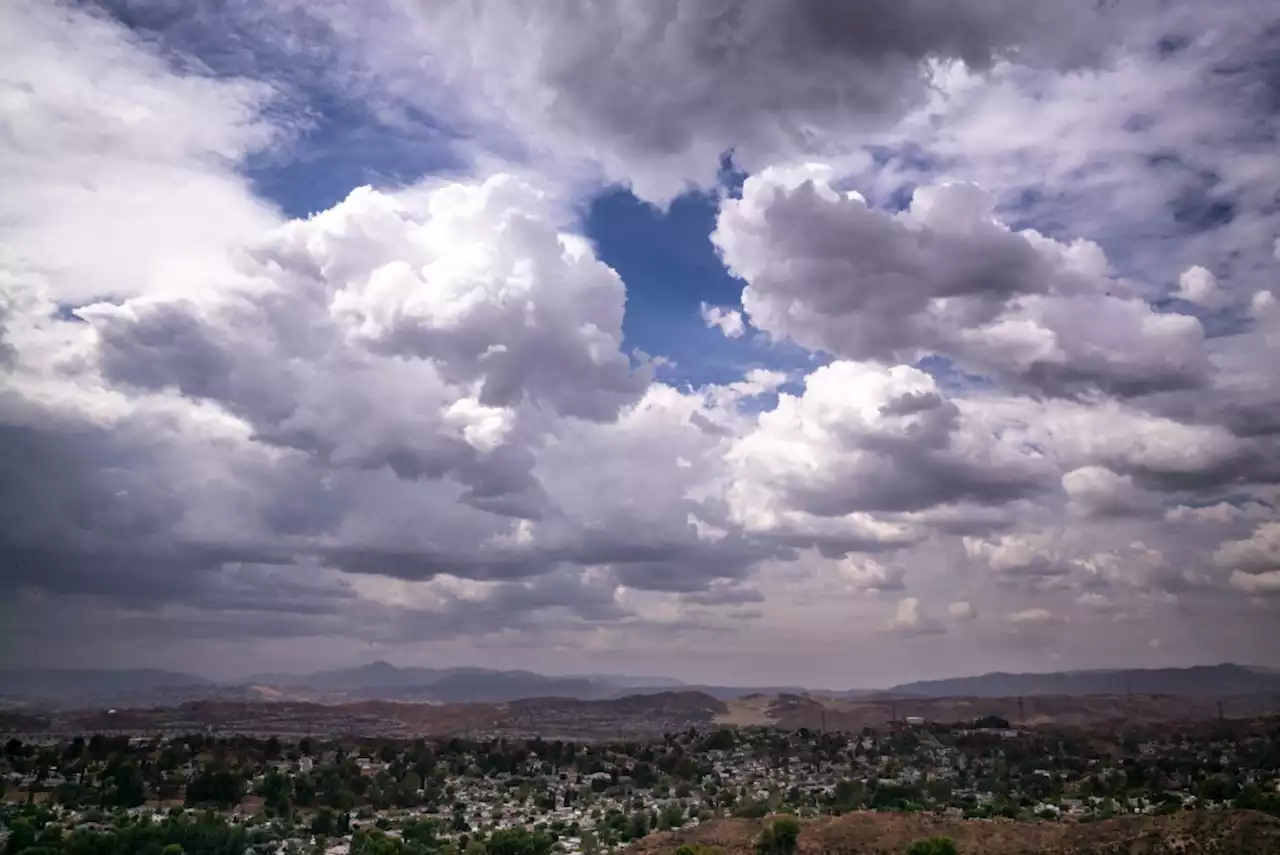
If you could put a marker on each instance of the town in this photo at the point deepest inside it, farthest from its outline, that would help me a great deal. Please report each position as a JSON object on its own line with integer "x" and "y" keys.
{"x": 531, "y": 796}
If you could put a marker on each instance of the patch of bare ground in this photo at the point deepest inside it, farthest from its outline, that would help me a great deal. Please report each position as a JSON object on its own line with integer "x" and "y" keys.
{"x": 750, "y": 711}
{"x": 872, "y": 833}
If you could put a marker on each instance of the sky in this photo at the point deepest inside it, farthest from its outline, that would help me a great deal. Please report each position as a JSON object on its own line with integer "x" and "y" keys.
{"x": 775, "y": 342}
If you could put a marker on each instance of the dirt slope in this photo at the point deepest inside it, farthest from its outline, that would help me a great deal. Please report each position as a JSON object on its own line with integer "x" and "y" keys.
{"x": 869, "y": 833}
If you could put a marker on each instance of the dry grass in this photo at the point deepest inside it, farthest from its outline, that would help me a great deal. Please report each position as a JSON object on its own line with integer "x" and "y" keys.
{"x": 751, "y": 711}
{"x": 870, "y": 833}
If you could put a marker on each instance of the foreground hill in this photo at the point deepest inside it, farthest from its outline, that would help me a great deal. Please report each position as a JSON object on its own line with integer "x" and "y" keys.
{"x": 870, "y": 833}
{"x": 1199, "y": 681}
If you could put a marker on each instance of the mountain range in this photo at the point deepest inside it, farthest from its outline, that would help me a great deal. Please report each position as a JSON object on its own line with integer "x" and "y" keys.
{"x": 384, "y": 681}
{"x": 1197, "y": 681}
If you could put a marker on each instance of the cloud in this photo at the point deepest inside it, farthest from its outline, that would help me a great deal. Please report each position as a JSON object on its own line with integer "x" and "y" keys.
{"x": 1032, "y": 618}
{"x": 1016, "y": 556}
{"x": 1197, "y": 285}
{"x": 764, "y": 79}
{"x": 867, "y": 574}
{"x": 1096, "y": 601}
{"x": 120, "y": 174}
{"x": 728, "y": 321}
{"x": 909, "y": 619}
{"x": 1161, "y": 153}
{"x": 864, "y": 438}
{"x": 1258, "y": 554}
{"x": 417, "y": 418}
{"x": 427, "y": 381}
{"x": 1221, "y": 513}
{"x": 1264, "y": 583}
{"x": 829, "y": 272}
{"x": 1095, "y": 491}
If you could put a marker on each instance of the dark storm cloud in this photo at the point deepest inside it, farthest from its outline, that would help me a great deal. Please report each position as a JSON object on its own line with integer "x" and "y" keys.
{"x": 659, "y": 91}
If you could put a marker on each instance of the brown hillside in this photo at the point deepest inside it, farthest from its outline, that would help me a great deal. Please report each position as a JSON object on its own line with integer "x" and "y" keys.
{"x": 870, "y": 833}
{"x": 796, "y": 711}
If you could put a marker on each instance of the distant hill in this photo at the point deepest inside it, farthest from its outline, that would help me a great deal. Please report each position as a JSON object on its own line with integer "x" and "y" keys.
{"x": 85, "y": 685}
{"x": 501, "y": 686}
{"x": 1198, "y": 681}
{"x": 375, "y": 675}
{"x": 482, "y": 685}
{"x": 383, "y": 681}
{"x": 728, "y": 693}
{"x": 630, "y": 682}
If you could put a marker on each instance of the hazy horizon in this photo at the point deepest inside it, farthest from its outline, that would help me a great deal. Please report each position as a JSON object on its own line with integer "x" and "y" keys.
{"x": 245, "y": 677}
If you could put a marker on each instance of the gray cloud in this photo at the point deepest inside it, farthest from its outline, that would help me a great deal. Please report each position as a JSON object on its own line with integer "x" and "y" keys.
{"x": 829, "y": 272}
{"x": 658, "y": 93}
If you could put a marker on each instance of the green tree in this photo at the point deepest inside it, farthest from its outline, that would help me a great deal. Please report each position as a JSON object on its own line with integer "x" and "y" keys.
{"x": 123, "y": 785}
{"x": 933, "y": 846}
{"x": 324, "y": 822}
{"x": 519, "y": 841}
{"x": 780, "y": 837}
{"x": 672, "y": 816}
{"x": 21, "y": 834}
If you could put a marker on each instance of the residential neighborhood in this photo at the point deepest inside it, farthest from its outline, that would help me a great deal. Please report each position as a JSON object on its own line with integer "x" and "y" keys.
{"x": 351, "y": 796}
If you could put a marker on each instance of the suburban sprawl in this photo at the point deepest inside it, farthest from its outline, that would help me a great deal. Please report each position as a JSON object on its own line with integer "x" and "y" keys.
{"x": 485, "y": 795}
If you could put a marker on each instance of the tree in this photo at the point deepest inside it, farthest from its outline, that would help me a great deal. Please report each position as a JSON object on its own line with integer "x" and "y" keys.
{"x": 672, "y": 817}
{"x": 324, "y": 822}
{"x": 216, "y": 785}
{"x": 847, "y": 795}
{"x": 519, "y": 841}
{"x": 779, "y": 838}
{"x": 21, "y": 834}
{"x": 123, "y": 785}
{"x": 933, "y": 846}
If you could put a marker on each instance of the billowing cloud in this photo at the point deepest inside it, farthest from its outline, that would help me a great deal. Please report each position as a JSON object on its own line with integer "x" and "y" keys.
{"x": 862, "y": 438}
{"x": 1095, "y": 491}
{"x": 830, "y": 272}
{"x": 656, "y": 94}
{"x": 1259, "y": 553}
